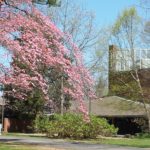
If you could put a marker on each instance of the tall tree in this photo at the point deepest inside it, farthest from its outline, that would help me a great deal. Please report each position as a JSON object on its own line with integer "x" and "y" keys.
{"x": 76, "y": 21}
{"x": 144, "y": 6}
{"x": 39, "y": 45}
{"x": 127, "y": 69}
{"x": 126, "y": 33}
{"x": 146, "y": 34}
{"x": 48, "y": 2}
{"x": 99, "y": 63}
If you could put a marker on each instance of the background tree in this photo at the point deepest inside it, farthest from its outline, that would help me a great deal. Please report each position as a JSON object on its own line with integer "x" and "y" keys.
{"x": 98, "y": 65}
{"x": 144, "y": 6}
{"x": 127, "y": 78}
{"x": 48, "y": 2}
{"x": 78, "y": 23}
{"x": 146, "y": 34}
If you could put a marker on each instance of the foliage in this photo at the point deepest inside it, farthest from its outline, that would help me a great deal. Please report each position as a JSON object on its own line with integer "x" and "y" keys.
{"x": 146, "y": 33}
{"x": 41, "y": 123}
{"x": 143, "y": 135}
{"x": 85, "y": 37}
{"x": 133, "y": 83}
{"x": 127, "y": 18}
{"x": 125, "y": 80}
{"x": 20, "y": 108}
{"x": 121, "y": 84}
{"x": 73, "y": 126}
{"x": 77, "y": 21}
{"x": 34, "y": 41}
{"x": 47, "y": 2}
{"x": 126, "y": 36}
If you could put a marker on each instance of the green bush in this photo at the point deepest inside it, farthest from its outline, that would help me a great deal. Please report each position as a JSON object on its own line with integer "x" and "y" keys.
{"x": 73, "y": 126}
{"x": 143, "y": 135}
{"x": 41, "y": 124}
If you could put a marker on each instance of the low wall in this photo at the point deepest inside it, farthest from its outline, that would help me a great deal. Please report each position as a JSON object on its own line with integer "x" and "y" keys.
{"x": 15, "y": 125}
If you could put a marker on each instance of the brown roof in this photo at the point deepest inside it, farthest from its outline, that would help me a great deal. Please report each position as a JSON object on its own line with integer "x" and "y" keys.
{"x": 114, "y": 106}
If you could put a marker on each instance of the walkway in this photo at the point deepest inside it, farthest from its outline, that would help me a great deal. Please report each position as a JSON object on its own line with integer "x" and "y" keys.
{"x": 57, "y": 143}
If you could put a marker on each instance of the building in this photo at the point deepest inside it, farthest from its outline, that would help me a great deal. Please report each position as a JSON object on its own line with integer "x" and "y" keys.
{"x": 124, "y": 106}
{"x": 125, "y": 59}
{"x": 122, "y": 73}
{"x": 123, "y": 113}
{"x": 125, "y": 68}
{"x": 2, "y": 104}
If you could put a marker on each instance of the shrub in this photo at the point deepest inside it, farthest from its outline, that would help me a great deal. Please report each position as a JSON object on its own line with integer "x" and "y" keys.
{"x": 41, "y": 124}
{"x": 73, "y": 126}
{"x": 143, "y": 135}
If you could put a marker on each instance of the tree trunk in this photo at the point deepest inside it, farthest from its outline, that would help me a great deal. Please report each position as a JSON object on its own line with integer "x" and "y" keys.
{"x": 148, "y": 124}
{"x": 62, "y": 96}
{"x": 89, "y": 106}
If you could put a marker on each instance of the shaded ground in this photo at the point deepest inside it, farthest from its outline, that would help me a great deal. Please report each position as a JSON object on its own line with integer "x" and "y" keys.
{"x": 62, "y": 144}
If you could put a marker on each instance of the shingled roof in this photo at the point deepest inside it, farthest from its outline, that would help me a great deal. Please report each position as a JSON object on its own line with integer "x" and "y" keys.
{"x": 114, "y": 106}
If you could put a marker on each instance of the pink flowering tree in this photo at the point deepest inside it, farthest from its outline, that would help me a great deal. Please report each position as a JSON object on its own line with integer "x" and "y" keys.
{"x": 37, "y": 45}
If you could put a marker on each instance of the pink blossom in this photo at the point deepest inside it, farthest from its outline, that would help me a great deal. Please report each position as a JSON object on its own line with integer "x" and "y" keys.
{"x": 40, "y": 43}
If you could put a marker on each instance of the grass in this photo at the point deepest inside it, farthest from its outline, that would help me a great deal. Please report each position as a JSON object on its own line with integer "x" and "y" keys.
{"x": 130, "y": 142}
{"x": 9, "y": 146}
{"x": 134, "y": 142}
{"x": 141, "y": 142}
{"x": 25, "y": 135}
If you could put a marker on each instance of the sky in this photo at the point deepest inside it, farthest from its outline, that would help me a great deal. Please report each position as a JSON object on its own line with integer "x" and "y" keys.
{"x": 106, "y": 11}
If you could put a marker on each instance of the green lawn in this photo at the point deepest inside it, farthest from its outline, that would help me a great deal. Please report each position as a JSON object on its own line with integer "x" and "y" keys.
{"x": 131, "y": 142}
{"x": 135, "y": 142}
{"x": 25, "y": 134}
{"x": 9, "y": 146}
